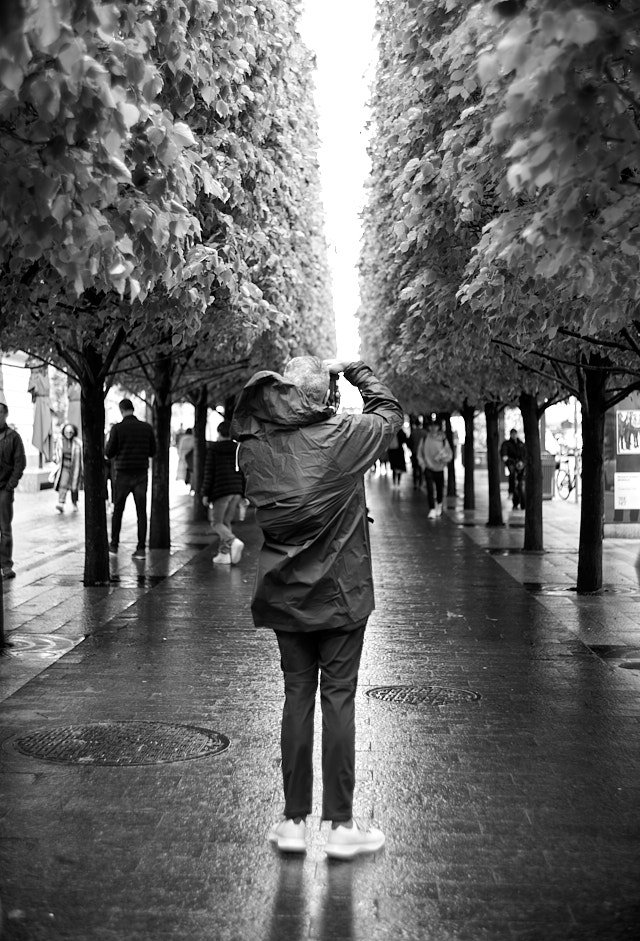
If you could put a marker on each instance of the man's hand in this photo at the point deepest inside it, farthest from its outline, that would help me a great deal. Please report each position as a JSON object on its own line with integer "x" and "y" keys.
{"x": 205, "y": 501}
{"x": 337, "y": 365}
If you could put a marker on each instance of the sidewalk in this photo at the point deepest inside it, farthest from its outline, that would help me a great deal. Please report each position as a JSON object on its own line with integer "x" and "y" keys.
{"x": 502, "y": 761}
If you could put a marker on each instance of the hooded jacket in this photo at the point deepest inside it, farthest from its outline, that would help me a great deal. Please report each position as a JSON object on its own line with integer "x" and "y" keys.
{"x": 304, "y": 473}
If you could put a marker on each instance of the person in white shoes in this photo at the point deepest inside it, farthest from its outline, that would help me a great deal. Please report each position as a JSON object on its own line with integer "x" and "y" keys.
{"x": 434, "y": 453}
{"x": 222, "y": 490}
{"x": 304, "y": 468}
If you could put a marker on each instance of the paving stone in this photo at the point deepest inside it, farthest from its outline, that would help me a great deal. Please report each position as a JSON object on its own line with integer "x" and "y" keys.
{"x": 513, "y": 817}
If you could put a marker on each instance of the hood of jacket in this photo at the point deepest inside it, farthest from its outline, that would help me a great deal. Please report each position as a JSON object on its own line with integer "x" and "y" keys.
{"x": 268, "y": 399}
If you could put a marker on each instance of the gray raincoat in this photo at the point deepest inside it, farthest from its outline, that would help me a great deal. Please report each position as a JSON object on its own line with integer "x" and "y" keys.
{"x": 304, "y": 469}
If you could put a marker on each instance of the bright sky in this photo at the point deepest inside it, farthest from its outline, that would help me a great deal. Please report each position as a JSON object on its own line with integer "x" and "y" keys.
{"x": 340, "y": 32}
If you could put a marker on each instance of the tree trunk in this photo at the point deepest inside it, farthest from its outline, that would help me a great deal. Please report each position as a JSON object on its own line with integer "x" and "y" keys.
{"x": 96, "y": 547}
{"x": 468, "y": 413}
{"x": 160, "y": 528}
{"x": 592, "y": 508}
{"x": 492, "y": 415}
{"x": 533, "y": 474}
{"x": 201, "y": 407}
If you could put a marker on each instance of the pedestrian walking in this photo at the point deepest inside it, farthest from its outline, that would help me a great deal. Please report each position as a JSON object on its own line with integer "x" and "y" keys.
{"x": 69, "y": 471}
{"x": 304, "y": 469}
{"x": 513, "y": 454}
{"x": 397, "y": 460}
{"x": 12, "y": 465}
{"x": 222, "y": 490}
{"x": 130, "y": 445}
{"x": 416, "y": 434}
{"x": 434, "y": 454}
{"x": 185, "y": 448}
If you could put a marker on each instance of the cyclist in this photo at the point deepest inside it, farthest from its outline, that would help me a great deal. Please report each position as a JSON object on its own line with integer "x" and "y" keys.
{"x": 513, "y": 454}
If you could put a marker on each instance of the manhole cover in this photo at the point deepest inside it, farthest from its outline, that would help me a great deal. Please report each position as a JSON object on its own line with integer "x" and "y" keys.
{"x": 38, "y": 646}
{"x": 122, "y": 743}
{"x": 422, "y": 695}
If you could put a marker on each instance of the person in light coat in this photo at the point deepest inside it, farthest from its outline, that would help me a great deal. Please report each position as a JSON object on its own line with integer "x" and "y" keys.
{"x": 69, "y": 472}
{"x": 434, "y": 453}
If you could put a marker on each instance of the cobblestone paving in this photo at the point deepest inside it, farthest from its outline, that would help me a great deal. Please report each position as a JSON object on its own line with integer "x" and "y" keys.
{"x": 513, "y": 816}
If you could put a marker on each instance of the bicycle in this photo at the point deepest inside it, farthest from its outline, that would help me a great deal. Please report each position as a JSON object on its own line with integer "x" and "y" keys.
{"x": 565, "y": 481}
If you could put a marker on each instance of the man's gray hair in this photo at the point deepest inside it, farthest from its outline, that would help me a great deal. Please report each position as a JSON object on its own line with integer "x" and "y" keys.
{"x": 310, "y": 374}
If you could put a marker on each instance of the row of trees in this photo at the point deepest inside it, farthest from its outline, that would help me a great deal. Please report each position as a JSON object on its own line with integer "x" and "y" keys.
{"x": 501, "y": 245}
{"x": 160, "y": 216}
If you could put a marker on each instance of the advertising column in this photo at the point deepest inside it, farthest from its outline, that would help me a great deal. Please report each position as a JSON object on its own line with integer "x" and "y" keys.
{"x": 622, "y": 468}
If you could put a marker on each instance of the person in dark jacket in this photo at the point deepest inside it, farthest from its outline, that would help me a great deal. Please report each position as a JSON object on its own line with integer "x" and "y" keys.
{"x": 12, "y": 465}
{"x": 304, "y": 471}
{"x": 130, "y": 445}
{"x": 513, "y": 454}
{"x": 222, "y": 490}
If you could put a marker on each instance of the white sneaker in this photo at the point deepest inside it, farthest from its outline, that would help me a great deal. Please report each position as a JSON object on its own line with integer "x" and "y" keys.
{"x": 289, "y": 836}
{"x": 345, "y": 842}
{"x": 59, "y": 507}
{"x": 222, "y": 558}
{"x": 236, "y": 550}
{"x": 431, "y": 515}
{"x": 438, "y": 509}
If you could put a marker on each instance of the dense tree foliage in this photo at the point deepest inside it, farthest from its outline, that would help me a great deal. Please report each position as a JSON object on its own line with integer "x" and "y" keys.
{"x": 158, "y": 194}
{"x": 503, "y": 199}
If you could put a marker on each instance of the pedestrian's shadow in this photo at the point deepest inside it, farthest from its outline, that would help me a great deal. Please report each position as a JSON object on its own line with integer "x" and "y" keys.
{"x": 289, "y": 915}
{"x": 336, "y": 913}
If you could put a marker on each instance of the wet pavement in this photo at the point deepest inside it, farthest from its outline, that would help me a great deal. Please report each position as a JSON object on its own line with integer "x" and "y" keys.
{"x": 509, "y": 791}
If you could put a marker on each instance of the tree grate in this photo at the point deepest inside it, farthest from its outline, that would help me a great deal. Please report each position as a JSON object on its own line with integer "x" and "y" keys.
{"x": 540, "y": 588}
{"x": 122, "y": 743}
{"x": 422, "y": 695}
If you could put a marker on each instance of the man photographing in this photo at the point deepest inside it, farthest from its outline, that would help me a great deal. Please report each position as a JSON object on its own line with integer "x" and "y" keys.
{"x": 304, "y": 467}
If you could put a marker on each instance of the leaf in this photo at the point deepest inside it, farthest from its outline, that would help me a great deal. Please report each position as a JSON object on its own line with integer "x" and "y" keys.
{"x": 45, "y": 94}
{"x": 541, "y": 154}
{"x": 488, "y": 67}
{"x": 48, "y": 25}
{"x": 70, "y": 56}
{"x": 182, "y": 134}
{"x": 583, "y": 29}
{"x": 134, "y": 289}
{"x": 122, "y": 172}
{"x": 11, "y": 76}
{"x": 130, "y": 114}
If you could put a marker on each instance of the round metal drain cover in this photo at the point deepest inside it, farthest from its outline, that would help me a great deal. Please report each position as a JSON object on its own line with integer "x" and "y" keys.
{"x": 422, "y": 695}
{"x": 38, "y": 646}
{"x": 122, "y": 743}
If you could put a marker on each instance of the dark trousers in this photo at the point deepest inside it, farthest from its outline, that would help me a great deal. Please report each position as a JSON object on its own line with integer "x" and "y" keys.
{"x": 124, "y": 485}
{"x": 336, "y": 655}
{"x": 434, "y": 479}
{"x": 6, "y": 534}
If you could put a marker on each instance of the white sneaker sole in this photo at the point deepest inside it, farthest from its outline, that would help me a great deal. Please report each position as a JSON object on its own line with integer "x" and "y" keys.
{"x": 288, "y": 844}
{"x": 349, "y": 851}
